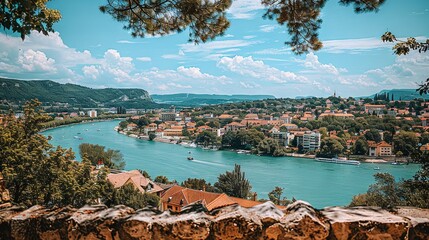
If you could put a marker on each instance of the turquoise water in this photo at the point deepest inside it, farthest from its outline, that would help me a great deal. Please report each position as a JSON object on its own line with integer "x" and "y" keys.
{"x": 321, "y": 184}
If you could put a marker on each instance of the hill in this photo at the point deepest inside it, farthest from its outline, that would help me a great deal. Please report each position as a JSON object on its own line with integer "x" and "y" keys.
{"x": 53, "y": 93}
{"x": 403, "y": 94}
{"x": 192, "y": 100}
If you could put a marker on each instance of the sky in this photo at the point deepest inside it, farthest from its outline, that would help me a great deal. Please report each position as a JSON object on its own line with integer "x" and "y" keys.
{"x": 92, "y": 49}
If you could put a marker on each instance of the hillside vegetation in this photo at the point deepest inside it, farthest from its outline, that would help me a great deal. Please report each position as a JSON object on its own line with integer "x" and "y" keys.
{"x": 50, "y": 92}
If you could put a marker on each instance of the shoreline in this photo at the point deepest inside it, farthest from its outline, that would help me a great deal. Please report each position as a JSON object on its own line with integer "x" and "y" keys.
{"x": 81, "y": 122}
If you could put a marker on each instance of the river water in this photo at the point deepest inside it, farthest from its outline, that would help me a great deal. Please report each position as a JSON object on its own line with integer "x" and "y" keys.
{"x": 321, "y": 184}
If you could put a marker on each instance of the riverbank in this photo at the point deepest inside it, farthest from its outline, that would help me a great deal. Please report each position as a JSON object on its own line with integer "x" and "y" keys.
{"x": 75, "y": 121}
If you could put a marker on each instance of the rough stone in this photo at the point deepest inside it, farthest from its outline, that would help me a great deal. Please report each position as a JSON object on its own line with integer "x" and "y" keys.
{"x": 298, "y": 221}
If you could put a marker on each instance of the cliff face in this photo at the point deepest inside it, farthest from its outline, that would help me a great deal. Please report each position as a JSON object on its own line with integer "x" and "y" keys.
{"x": 298, "y": 221}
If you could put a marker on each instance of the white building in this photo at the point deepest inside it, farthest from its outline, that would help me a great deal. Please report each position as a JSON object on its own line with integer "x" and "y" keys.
{"x": 311, "y": 141}
{"x": 92, "y": 113}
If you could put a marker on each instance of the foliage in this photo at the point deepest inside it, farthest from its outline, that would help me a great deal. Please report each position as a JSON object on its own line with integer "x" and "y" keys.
{"x": 111, "y": 158}
{"x": 50, "y": 92}
{"x": 205, "y": 19}
{"x": 242, "y": 139}
{"x": 198, "y": 184}
{"x": 360, "y": 147}
{"x": 234, "y": 183}
{"x": 271, "y": 147}
{"x": 152, "y": 136}
{"x": 163, "y": 179}
{"x": 36, "y": 173}
{"x": 330, "y": 147}
{"x": 275, "y": 196}
{"x": 131, "y": 197}
{"x": 24, "y": 16}
{"x": 373, "y": 135}
{"x": 206, "y": 138}
{"x": 405, "y": 142}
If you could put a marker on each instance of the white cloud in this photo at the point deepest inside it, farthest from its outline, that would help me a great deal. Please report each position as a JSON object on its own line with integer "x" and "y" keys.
{"x": 144, "y": 59}
{"x": 249, "y": 85}
{"x": 90, "y": 72}
{"x": 129, "y": 42}
{"x": 267, "y": 28}
{"x": 246, "y": 66}
{"x": 249, "y": 36}
{"x": 312, "y": 61}
{"x": 34, "y": 61}
{"x": 244, "y": 9}
{"x": 215, "y": 45}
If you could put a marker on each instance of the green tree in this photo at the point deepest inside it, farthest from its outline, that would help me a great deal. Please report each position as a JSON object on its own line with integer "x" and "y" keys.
{"x": 271, "y": 147}
{"x": 36, "y": 173}
{"x": 152, "y": 136}
{"x": 275, "y": 196}
{"x": 24, "y": 16}
{"x": 110, "y": 158}
{"x": 131, "y": 197}
{"x": 162, "y": 179}
{"x": 330, "y": 147}
{"x": 198, "y": 184}
{"x": 373, "y": 135}
{"x": 360, "y": 147}
{"x": 234, "y": 183}
{"x": 206, "y": 138}
{"x": 406, "y": 142}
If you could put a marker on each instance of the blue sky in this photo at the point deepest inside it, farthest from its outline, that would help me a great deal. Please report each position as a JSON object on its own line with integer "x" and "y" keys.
{"x": 92, "y": 49}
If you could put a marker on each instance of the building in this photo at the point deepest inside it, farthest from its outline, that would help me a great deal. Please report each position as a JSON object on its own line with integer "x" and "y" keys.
{"x": 135, "y": 178}
{"x": 286, "y": 118}
{"x": 234, "y": 126}
{"x": 177, "y": 197}
{"x": 92, "y": 113}
{"x": 338, "y": 115}
{"x": 281, "y": 137}
{"x": 381, "y": 149}
{"x": 309, "y": 140}
{"x": 374, "y": 109}
{"x": 167, "y": 116}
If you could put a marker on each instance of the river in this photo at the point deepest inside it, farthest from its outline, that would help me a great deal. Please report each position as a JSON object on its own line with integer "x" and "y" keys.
{"x": 321, "y": 184}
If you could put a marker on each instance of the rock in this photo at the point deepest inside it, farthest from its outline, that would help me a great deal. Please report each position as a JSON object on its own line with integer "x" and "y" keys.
{"x": 301, "y": 221}
{"x": 365, "y": 223}
{"x": 265, "y": 221}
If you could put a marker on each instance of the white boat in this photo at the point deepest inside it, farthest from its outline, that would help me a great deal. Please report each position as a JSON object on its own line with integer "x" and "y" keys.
{"x": 337, "y": 161}
{"x": 377, "y": 168}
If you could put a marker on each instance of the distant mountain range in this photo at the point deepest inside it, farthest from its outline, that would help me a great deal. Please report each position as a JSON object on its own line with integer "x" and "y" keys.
{"x": 50, "y": 93}
{"x": 192, "y": 100}
{"x": 403, "y": 94}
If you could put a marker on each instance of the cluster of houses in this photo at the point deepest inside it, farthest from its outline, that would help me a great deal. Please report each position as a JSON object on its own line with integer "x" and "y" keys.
{"x": 174, "y": 197}
{"x": 171, "y": 124}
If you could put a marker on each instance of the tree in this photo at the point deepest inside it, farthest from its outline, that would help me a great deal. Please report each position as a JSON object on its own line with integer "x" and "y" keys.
{"x": 198, "y": 184}
{"x": 152, "y": 136}
{"x": 271, "y": 147}
{"x": 37, "y": 173}
{"x": 330, "y": 147}
{"x": 95, "y": 153}
{"x": 360, "y": 147}
{"x": 373, "y": 135}
{"x": 406, "y": 142}
{"x": 275, "y": 196}
{"x": 162, "y": 179}
{"x": 131, "y": 197}
{"x": 24, "y": 16}
{"x": 206, "y": 138}
{"x": 234, "y": 183}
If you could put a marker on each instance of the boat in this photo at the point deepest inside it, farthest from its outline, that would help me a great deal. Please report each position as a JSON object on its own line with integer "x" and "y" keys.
{"x": 190, "y": 158}
{"x": 338, "y": 161}
{"x": 377, "y": 168}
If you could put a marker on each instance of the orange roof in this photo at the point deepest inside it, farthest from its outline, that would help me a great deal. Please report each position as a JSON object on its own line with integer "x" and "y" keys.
{"x": 383, "y": 144}
{"x": 425, "y": 147}
{"x": 177, "y": 195}
{"x": 223, "y": 116}
{"x": 236, "y": 124}
{"x": 251, "y": 116}
{"x": 135, "y": 178}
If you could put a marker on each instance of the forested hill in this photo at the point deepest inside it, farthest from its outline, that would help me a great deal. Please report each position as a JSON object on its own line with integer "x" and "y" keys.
{"x": 50, "y": 92}
{"x": 401, "y": 94}
{"x": 188, "y": 99}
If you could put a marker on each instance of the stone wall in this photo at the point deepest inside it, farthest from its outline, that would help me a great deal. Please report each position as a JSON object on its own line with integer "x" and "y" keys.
{"x": 298, "y": 221}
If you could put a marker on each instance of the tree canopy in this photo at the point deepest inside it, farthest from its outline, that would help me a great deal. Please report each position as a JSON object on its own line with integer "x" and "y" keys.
{"x": 234, "y": 183}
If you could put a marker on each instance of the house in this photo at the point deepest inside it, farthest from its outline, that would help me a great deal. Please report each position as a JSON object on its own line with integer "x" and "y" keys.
{"x": 380, "y": 149}
{"x": 177, "y": 197}
{"x": 425, "y": 148}
{"x": 336, "y": 114}
{"x": 92, "y": 113}
{"x": 135, "y": 178}
{"x": 234, "y": 126}
{"x": 150, "y": 128}
{"x": 251, "y": 116}
{"x": 374, "y": 109}
{"x": 131, "y": 126}
{"x": 311, "y": 141}
{"x": 281, "y": 137}
{"x": 286, "y": 118}
{"x": 167, "y": 116}
{"x": 173, "y": 131}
